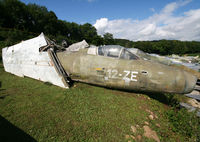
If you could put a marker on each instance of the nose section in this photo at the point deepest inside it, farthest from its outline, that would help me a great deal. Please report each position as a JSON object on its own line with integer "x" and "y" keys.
{"x": 190, "y": 82}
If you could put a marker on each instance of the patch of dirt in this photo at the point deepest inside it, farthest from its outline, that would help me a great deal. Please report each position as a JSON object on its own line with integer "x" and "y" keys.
{"x": 149, "y": 112}
{"x": 158, "y": 125}
{"x": 152, "y": 116}
{"x": 129, "y": 136}
{"x": 132, "y": 137}
{"x": 139, "y": 137}
{"x": 144, "y": 98}
{"x": 149, "y": 133}
{"x": 137, "y": 126}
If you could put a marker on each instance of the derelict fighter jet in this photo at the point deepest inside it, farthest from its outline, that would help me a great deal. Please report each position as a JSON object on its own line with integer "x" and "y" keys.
{"x": 115, "y": 67}
{"x": 111, "y": 66}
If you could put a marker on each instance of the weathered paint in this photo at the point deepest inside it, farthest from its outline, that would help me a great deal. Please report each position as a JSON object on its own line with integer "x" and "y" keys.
{"x": 138, "y": 75}
{"x": 84, "y": 64}
{"x": 24, "y": 59}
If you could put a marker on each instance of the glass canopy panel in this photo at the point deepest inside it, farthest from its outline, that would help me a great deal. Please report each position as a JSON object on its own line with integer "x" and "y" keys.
{"x": 128, "y": 55}
{"x": 116, "y": 51}
{"x": 110, "y": 50}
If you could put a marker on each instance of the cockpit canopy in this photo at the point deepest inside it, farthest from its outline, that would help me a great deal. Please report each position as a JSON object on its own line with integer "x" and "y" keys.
{"x": 116, "y": 51}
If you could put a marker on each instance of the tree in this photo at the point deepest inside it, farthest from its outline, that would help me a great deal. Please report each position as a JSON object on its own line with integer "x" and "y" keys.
{"x": 108, "y": 38}
{"x": 19, "y": 21}
{"x": 88, "y": 32}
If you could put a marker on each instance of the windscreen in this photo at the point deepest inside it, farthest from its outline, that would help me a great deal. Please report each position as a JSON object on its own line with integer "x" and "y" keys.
{"x": 110, "y": 50}
{"x": 128, "y": 55}
{"x": 116, "y": 51}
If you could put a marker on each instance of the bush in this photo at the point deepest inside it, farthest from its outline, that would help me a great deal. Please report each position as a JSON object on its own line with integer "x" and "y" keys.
{"x": 184, "y": 123}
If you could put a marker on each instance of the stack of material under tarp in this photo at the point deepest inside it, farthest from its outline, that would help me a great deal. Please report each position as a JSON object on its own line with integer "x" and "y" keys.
{"x": 78, "y": 46}
{"x": 24, "y": 59}
{"x": 193, "y": 101}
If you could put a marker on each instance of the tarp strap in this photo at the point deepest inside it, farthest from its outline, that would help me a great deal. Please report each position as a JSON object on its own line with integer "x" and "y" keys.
{"x": 65, "y": 77}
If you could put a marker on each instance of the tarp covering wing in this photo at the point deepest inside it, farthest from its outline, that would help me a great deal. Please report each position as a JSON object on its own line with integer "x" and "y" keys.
{"x": 24, "y": 59}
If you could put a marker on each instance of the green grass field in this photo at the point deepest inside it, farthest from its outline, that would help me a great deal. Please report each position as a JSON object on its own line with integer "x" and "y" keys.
{"x": 31, "y": 110}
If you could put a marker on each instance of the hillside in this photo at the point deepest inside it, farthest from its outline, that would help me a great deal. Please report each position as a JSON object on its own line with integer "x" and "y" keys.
{"x": 36, "y": 111}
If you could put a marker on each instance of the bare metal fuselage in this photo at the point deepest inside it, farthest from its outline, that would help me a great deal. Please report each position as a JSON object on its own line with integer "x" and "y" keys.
{"x": 137, "y": 75}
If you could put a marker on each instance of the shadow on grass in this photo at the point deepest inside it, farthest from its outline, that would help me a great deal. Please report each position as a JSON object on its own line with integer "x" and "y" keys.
{"x": 3, "y": 97}
{"x": 165, "y": 98}
{"x": 48, "y": 83}
{"x": 10, "y": 133}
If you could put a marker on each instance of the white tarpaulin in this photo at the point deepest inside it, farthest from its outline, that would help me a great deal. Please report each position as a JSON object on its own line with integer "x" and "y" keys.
{"x": 24, "y": 59}
{"x": 77, "y": 46}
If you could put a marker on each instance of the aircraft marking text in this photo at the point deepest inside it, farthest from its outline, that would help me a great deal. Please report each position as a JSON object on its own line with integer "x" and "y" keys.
{"x": 126, "y": 75}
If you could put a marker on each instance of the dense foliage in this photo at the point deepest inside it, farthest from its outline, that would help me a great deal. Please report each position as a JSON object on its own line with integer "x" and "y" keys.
{"x": 19, "y": 21}
{"x": 184, "y": 122}
{"x": 36, "y": 19}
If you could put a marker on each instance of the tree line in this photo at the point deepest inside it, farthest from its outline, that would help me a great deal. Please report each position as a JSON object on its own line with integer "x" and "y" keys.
{"x": 19, "y": 21}
{"x": 163, "y": 47}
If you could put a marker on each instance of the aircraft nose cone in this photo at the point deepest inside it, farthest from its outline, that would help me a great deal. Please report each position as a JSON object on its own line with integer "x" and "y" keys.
{"x": 190, "y": 82}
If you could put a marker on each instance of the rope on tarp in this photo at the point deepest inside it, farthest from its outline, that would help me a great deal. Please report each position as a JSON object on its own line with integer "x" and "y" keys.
{"x": 60, "y": 70}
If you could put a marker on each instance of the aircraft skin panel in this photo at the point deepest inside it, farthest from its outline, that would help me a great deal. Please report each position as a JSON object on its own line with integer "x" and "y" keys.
{"x": 24, "y": 59}
{"x": 138, "y": 75}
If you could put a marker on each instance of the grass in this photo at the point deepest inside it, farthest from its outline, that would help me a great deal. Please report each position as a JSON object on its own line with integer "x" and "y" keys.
{"x": 40, "y": 111}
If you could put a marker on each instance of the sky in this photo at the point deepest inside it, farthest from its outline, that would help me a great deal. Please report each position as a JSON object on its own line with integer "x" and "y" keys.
{"x": 135, "y": 20}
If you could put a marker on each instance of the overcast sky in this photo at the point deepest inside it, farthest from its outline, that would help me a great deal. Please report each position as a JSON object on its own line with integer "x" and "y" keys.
{"x": 132, "y": 19}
